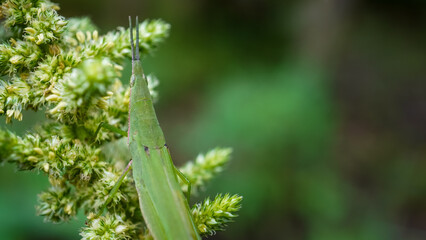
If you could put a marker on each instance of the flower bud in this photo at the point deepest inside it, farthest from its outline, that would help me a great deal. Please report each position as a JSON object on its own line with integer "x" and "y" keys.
{"x": 32, "y": 159}
{"x": 30, "y": 30}
{"x": 61, "y": 23}
{"x": 16, "y": 59}
{"x": 40, "y": 39}
{"x": 109, "y": 45}
{"x": 95, "y": 35}
{"x": 52, "y": 97}
{"x": 89, "y": 36}
{"x": 46, "y": 167}
{"x": 38, "y": 150}
{"x": 80, "y": 37}
{"x": 120, "y": 228}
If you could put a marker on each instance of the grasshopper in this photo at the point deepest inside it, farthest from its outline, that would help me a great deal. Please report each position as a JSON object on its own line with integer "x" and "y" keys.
{"x": 163, "y": 205}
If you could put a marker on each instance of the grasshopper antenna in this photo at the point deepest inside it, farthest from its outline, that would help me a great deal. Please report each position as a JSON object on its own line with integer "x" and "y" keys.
{"x": 131, "y": 38}
{"x": 133, "y": 45}
{"x": 137, "y": 38}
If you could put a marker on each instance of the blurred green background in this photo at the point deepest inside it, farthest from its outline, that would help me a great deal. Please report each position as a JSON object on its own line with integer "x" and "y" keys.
{"x": 323, "y": 102}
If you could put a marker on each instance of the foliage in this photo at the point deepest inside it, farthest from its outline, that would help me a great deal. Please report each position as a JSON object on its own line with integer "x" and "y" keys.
{"x": 65, "y": 68}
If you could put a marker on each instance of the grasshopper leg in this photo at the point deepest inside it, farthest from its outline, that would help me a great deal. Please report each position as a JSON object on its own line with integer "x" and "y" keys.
{"x": 115, "y": 188}
{"x": 123, "y": 175}
{"x": 185, "y": 180}
{"x": 111, "y": 128}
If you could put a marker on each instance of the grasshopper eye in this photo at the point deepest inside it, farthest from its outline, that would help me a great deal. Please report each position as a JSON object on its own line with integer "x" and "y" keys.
{"x": 132, "y": 81}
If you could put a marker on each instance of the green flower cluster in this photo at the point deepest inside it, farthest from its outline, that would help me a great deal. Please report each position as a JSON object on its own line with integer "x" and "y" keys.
{"x": 39, "y": 63}
{"x": 36, "y": 24}
{"x": 108, "y": 227}
{"x": 205, "y": 167}
{"x": 212, "y": 216}
{"x": 66, "y": 69}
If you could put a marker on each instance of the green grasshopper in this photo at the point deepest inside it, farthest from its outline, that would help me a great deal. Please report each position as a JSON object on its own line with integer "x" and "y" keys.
{"x": 163, "y": 205}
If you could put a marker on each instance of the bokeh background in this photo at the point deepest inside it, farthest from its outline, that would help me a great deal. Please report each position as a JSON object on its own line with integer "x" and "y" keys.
{"x": 323, "y": 101}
